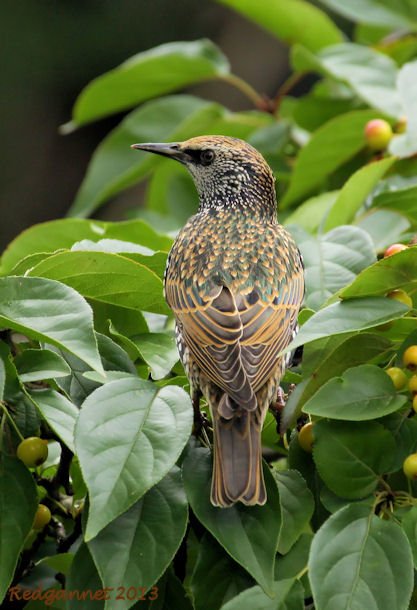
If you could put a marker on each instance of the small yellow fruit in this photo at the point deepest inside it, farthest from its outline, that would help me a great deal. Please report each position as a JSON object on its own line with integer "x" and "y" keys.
{"x": 32, "y": 451}
{"x": 378, "y": 134}
{"x": 398, "y": 377}
{"x": 394, "y": 249}
{"x": 402, "y": 296}
{"x": 306, "y": 437}
{"x": 410, "y": 357}
{"x": 412, "y": 384}
{"x": 401, "y": 125}
{"x": 410, "y": 466}
{"x": 415, "y": 403}
{"x": 42, "y": 517}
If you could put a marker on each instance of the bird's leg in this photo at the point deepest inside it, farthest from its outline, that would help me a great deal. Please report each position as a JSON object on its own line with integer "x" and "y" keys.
{"x": 277, "y": 407}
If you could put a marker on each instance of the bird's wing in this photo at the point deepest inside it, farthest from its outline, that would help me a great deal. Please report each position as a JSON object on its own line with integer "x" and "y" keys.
{"x": 236, "y": 338}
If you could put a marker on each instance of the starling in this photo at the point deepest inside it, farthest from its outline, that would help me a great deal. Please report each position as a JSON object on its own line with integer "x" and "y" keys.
{"x": 234, "y": 280}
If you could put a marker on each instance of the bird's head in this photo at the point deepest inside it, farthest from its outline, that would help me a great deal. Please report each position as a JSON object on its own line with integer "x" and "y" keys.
{"x": 227, "y": 172}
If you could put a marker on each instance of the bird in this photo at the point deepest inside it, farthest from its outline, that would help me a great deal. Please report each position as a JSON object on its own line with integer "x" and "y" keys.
{"x": 234, "y": 280}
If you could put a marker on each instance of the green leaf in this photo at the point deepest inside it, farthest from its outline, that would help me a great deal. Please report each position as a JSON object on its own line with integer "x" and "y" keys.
{"x": 329, "y": 147}
{"x": 248, "y": 533}
{"x": 354, "y": 192}
{"x": 171, "y": 595}
{"x": 384, "y": 227}
{"x": 369, "y": 74}
{"x": 309, "y": 214}
{"x": 404, "y": 431}
{"x": 159, "y": 351}
{"x": 348, "y": 316}
{"x": 344, "y": 557}
{"x": 59, "y": 412}
{"x": 295, "y": 561}
{"x": 49, "y": 311}
{"x": 84, "y": 578}
{"x": 148, "y": 536}
{"x": 105, "y": 277}
{"x": 18, "y": 504}
{"x": 404, "y": 145}
{"x": 152, "y": 73}
{"x": 397, "y": 271}
{"x": 351, "y": 456}
{"x": 287, "y": 595}
{"x": 401, "y": 200}
{"x": 2, "y": 378}
{"x": 128, "y": 436}
{"x": 332, "y": 260}
{"x": 216, "y": 577}
{"x": 39, "y": 364}
{"x": 297, "y": 507}
{"x": 409, "y": 525}
{"x": 326, "y": 358}
{"x": 375, "y": 12}
{"x": 362, "y": 393}
{"x": 285, "y": 20}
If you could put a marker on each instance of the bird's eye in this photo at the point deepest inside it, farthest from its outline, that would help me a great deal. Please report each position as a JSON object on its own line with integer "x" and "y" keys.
{"x": 206, "y": 157}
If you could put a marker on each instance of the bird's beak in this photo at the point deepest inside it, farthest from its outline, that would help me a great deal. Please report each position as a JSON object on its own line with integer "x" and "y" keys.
{"x": 171, "y": 150}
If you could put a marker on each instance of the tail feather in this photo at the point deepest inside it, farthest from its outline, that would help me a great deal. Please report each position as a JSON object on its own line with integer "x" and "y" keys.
{"x": 237, "y": 472}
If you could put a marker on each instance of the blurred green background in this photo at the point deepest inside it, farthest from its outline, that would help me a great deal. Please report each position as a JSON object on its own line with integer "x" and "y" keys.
{"x": 50, "y": 49}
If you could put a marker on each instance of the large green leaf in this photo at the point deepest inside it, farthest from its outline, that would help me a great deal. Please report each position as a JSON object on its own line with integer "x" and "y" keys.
{"x": 39, "y": 364}
{"x": 129, "y": 434}
{"x": 159, "y": 351}
{"x": 49, "y": 311}
{"x": 216, "y": 577}
{"x": 348, "y": 551}
{"x": 310, "y": 214}
{"x": 106, "y": 277}
{"x": 409, "y": 525}
{"x": 351, "y": 456}
{"x": 146, "y": 75}
{"x": 287, "y": 595}
{"x": 371, "y": 75}
{"x": 355, "y": 191}
{"x": 348, "y": 316}
{"x": 60, "y": 413}
{"x": 287, "y": 20}
{"x": 326, "y": 358}
{"x": 147, "y": 537}
{"x": 248, "y": 533}
{"x": 375, "y": 12}
{"x": 332, "y": 260}
{"x": 396, "y": 271}
{"x": 362, "y": 393}
{"x": 83, "y": 577}
{"x": 384, "y": 227}
{"x": 329, "y": 147}
{"x": 18, "y": 504}
{"x": 297, "y": 507}
{"x": 401, "y": 200}
{"x": 404, "y": 145}
{"x": 62, "y": 234}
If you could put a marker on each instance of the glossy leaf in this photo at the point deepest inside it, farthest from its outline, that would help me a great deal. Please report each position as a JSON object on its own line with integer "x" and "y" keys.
{"x": 60, "y": 413}
{"x": 332, "y": 260}
{"x": 146, "y": 75}
{"x": 343, "y": 559}
{"x": 384, "y": 227}
{"x": 288, "y": 595}
{"x": 310, "y": 214}
{"x": 362, "y": 393}
{"x": 374, "y": 12}
{"x": 66, "y": 319}
{"x": 216, "y": 577}
{"x": 409, "y": 525}
{"x": 84, "y": 578}
{"x": 159, "y": 351}
{"x": 354, "y": 192}
{"x": 248, "y": 533}
{"x": 110, "y": 278}
{"x": 401, "y": 200}
{"x": 351, "y": 456}
{"x": 297, "y": 506}
{"x": 329, "y": 147}
{"x": 38, "y": 364}
{"x": 284, "y": 20}
{"x": 404, "y": 145}
{"x": 348, "y": 316}
{"x": 142, "y": 431}
{"x": 148, "y": 536}
{"x": 371, "y": 75}
{"x": 18, "y": 504}
{"x": 397, "y": 271}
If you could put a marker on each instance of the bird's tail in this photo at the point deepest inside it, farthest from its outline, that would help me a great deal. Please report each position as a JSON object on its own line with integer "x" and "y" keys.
{"x": 237, "y": 471}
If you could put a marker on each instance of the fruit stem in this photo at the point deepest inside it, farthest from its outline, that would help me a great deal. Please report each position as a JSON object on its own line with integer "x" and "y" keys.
{"x": 244, "y": 88}
{"x": 11, "y": 421}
